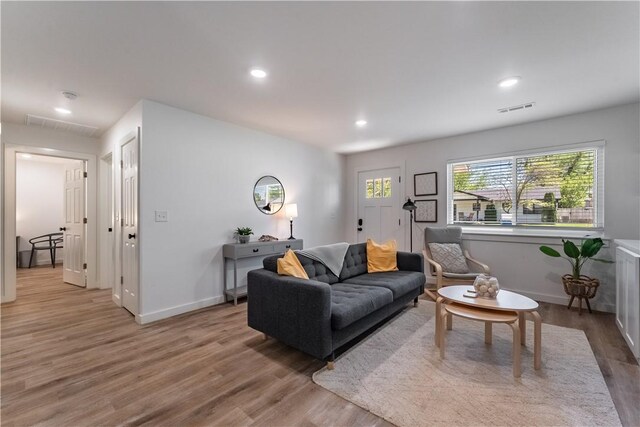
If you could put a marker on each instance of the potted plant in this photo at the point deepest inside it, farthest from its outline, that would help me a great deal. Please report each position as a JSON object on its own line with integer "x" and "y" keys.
{"x": 576, "y": 284}
{"x": 244, "y": 234}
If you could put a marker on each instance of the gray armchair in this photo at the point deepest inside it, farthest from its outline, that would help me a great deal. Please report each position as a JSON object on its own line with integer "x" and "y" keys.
{"x": 435, "y": 270}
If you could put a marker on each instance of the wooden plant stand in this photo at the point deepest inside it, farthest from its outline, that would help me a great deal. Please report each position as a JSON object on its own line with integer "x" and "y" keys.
{"x": 583, "y": 288}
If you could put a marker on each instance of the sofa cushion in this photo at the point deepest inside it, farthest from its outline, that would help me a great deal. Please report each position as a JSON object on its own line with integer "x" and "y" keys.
{"x": 355, "y": 261}
{"x": 398, "y": 282}
{"x": 315, "y": 270}
{"x": 382, "y": 257}
{"x": 289, "y": 265}
{"x": 350, "y": 302}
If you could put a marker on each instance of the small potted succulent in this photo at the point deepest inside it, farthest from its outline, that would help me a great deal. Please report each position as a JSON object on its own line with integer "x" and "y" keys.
{"x": 244, "y": 234}
{"x": 575, "y": 284}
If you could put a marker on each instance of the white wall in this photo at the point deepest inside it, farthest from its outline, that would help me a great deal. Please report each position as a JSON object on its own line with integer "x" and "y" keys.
{"x": 34, "y": 136}
{"x": 40, "y": 200}
{"x": 202, "y": 171}
{"x": 515, "y": 261}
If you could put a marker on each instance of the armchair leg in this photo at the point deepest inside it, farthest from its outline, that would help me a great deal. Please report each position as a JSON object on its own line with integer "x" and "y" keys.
{"x": 31, "y": 258}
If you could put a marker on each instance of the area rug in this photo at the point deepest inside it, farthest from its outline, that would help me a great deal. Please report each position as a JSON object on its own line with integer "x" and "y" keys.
{"x": 397, "y": 374}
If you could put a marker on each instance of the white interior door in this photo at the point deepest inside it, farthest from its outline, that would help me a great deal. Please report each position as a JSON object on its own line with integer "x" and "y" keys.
{"x": 379, "y": 212}
{"x": 129, "y": 218}
{"x": 73, "y": 268}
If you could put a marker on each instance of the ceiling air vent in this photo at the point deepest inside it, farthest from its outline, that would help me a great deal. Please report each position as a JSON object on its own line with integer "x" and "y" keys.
{"x": 516, "y": 107}
{"x": 56, "y": 124}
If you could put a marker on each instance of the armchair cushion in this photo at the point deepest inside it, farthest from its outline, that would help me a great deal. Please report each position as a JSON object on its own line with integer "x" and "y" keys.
{"x": 449, "y": 256}
{"x": 443, "y": 235}
{"x": 461, "y": 276}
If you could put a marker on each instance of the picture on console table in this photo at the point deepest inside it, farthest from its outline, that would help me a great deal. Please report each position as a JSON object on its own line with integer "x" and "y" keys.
{"x": 425, "y": 184}
{"x": 426, "y": 211}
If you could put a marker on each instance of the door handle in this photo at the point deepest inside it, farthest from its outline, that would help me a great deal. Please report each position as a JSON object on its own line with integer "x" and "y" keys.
{"x": 63, "y": 228}
{"x": 110, "y": 230}
{"x": 256, "y": 250}
{"x": 359, "y": 228}
{"x": 132, "y": 236}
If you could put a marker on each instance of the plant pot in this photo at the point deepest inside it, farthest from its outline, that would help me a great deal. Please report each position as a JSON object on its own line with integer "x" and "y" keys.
{"x": 244, "y": 239}
{"x": 583, "y": 288}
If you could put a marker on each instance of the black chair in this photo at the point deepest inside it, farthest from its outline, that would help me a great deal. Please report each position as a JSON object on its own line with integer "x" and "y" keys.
{"x": 49, "y": 242}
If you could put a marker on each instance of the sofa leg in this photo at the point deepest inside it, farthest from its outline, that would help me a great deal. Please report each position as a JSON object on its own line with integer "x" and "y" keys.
{"x": 265, "y": 337}
{"x": 415, "y": 301}
{"x": 330, "y": 360}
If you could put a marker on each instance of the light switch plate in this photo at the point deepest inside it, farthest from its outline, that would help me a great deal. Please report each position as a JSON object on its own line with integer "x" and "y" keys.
{"x": 162, "y": 216}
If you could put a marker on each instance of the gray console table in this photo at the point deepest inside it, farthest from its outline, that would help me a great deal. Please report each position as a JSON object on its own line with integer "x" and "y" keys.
{"x": 236, "y": 251}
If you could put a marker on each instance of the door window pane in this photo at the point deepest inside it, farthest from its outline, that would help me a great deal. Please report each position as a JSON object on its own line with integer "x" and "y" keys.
{"x": 377, "y": 188}
{"x": 369, "y": 188}
{"x": 386, "y": 190}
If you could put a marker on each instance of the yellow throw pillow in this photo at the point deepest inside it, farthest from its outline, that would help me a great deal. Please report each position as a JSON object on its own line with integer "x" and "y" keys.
{"x": 289, "y": 265}
{"x": 381, "y": 257}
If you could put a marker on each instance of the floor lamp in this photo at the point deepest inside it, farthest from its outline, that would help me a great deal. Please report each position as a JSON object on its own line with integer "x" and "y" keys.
{"x": 410, "y": 206}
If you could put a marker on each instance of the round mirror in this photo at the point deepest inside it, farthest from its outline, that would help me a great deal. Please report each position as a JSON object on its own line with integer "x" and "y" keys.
{"x": 268, "y": 195}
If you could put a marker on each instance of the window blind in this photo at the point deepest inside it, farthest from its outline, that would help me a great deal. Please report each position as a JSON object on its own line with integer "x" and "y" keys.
{"x": 541, "y": 189}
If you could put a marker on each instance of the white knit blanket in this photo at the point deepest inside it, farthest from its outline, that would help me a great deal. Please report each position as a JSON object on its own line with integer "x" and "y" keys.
{"x": 332, "y": 256}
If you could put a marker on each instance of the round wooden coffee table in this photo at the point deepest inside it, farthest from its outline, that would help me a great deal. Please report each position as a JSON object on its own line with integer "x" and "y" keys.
{"x": 506, "y": 301}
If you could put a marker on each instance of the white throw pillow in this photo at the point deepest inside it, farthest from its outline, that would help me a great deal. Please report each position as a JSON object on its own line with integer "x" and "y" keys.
{"x": 449, "y": 256}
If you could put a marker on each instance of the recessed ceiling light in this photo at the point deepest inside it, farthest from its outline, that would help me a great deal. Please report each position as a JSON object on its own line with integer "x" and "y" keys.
{"x": 361, "y": 123}
{"x": 25, "y": 156}
{"x": 509, "y": 81}
{"x": 62, "y": 110}
{"x": 258, "y": 73}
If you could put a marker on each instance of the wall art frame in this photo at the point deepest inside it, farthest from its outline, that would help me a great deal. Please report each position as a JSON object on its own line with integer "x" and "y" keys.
{"x": 425, "y": 184}
{"x": 426, "y": 211}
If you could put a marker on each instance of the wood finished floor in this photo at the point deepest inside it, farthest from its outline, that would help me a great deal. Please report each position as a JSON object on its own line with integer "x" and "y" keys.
{"x": 70, "y": 357}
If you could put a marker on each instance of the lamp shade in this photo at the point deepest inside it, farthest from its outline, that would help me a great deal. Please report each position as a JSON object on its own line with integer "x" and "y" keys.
{"x": 291, "y": 210}
{"x": 409, "y": 205}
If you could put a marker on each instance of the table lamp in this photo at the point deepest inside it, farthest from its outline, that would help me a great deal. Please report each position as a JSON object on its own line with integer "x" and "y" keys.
{"x": 291, "y": 211}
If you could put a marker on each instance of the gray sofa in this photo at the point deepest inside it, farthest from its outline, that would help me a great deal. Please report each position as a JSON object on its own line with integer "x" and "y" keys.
{"x": 319, "y": 315}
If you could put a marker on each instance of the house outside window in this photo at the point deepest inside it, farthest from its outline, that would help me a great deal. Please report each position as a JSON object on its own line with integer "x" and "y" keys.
{"x": 535, "y": 189}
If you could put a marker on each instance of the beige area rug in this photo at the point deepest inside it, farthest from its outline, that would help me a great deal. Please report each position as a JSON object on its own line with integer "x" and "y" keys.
{"x": 396, "y": 373}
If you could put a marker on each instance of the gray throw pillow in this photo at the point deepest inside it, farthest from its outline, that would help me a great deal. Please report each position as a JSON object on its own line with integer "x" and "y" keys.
{"x": 449, "y": 256}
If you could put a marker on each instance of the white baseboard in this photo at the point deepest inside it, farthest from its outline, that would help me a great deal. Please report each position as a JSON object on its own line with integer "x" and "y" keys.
{"x": 555, "y": 299}
{"x": 564, "y": 300}
{"x": 178, "y": 309}
{"x": 39, "y": 262}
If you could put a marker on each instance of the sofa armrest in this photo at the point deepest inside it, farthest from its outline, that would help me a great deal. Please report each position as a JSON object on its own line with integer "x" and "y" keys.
{"x": 295, "y": 311}
{"x": 409, "y": 261}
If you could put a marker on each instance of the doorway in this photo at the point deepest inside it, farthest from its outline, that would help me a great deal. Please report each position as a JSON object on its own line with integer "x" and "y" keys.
{"x": 379, "y": 213}
{"x": 83, "y": 264}
{"x": 50, "y": 214}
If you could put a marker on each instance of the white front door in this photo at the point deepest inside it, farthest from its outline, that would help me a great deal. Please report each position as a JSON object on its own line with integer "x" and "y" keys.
{"x": 379, "y": 211}
{"x": 73, "y": 267}
{"x": 129, "y": 215}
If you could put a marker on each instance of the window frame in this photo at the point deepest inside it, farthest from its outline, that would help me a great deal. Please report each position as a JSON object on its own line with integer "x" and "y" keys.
{"x": 598, "y": 193}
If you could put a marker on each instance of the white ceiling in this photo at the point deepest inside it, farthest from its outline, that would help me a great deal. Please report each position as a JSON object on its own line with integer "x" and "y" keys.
{"x": 415, "y": 71}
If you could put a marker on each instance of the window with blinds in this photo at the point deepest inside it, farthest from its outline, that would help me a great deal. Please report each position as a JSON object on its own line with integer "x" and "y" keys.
{"x": 555, "y": 189}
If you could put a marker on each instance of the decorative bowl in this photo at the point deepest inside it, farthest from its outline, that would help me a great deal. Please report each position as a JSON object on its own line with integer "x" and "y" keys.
{"x": 486, "y": 286}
